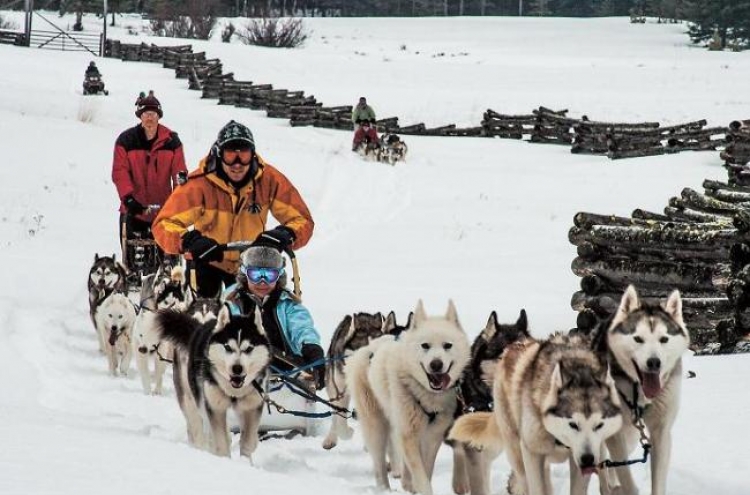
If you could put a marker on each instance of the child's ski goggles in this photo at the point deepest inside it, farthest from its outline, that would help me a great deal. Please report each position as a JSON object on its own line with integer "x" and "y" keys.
{"x": 255, "y": 274}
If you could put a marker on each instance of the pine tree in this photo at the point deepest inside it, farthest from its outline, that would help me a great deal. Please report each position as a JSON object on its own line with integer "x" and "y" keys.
{"x": 730, "y": 19}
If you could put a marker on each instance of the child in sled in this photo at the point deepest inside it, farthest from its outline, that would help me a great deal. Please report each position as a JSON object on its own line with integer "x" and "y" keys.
{"x": 261, "y": 281}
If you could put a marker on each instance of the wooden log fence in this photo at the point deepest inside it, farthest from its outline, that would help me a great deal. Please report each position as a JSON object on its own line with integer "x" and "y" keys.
{"x": 616, "y": 140}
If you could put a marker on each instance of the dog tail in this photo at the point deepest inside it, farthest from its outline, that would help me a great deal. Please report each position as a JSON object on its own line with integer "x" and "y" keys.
{"x": 176, "y": 327}
{"x": 479, "y": 430}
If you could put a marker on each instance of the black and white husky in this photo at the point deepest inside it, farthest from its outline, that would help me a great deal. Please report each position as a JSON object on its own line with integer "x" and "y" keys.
{"x": 218, "y": 365}
{"x": 471, "y": 466}
{"x": 106, "y": 276}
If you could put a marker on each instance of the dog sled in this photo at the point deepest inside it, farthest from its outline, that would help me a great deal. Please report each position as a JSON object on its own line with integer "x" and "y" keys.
{"x": 389, "y": 148}
{"x": 141, "y": 255}
{"x": 291, "y": 402}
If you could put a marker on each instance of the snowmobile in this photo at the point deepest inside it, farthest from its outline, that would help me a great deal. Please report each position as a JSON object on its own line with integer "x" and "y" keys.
{"x": 94, "y": 85}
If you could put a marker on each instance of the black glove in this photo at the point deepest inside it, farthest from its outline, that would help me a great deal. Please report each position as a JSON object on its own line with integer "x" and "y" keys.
{"x": 313, "y": 353}
{"x": 133, "y": 206}
{"x": 202, "y": 248}
{"x": 279, "y": 238}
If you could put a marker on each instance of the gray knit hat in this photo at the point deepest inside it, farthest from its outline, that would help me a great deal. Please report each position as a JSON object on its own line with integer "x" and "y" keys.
{"x": 261, "y": 256}
{"x": 234, "y": 132}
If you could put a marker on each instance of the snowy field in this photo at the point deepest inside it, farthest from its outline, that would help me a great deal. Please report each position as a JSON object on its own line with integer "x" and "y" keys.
{"x": 481, "y": 221}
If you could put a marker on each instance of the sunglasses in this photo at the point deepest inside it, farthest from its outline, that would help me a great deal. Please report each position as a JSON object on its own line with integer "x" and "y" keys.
{"x": 230, "y": 156}
{"x": 255, "y": 274}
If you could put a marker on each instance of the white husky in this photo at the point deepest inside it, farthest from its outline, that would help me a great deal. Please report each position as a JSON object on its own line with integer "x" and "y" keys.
{"x": 405, "y": 395}
{"x": 115, "y": 318}
{"x": 645, "y": 344}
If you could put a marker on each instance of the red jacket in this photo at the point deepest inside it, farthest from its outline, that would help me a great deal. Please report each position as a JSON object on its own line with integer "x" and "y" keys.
{"x": 149, "y": 173}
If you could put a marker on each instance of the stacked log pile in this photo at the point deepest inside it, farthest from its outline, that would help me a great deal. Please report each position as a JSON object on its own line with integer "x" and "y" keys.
{"x": 141, "y": 52}
{"x": 628, "y": 140}
{"x": 505, "y": 126}
{"x": 552, "y": 127}
{"x": 700, "y": 245}
{"x": 211, "y": 86}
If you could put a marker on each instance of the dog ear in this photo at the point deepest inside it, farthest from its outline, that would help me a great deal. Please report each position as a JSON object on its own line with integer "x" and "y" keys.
{"x": 557, "y": 377}
{"x": 96, "y": 257}
{"x": 673, "y": 307}
{"x": 389, "y": 323}
{"x": 490, "y": 328}
{"x": 522, "y": 322}
{"x": 419, "y": 315}
{"x": 114, "y": 257}
{"x": 628, "y": 304}
{"x": 352, "y": 327}
{"x": 223, "y": 319}
{"x": 410, "y": 320}
{"x": 451, "y": 314}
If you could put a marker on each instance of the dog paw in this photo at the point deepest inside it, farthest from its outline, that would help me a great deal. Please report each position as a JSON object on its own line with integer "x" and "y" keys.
{"x": 461, "y": 487}
{"x": 329, "y": 443}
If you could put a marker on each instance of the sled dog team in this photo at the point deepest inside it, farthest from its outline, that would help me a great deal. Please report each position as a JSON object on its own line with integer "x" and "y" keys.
{"x": 578, "y": 398}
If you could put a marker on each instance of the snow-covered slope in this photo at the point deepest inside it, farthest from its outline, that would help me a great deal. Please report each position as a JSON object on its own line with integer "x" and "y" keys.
{"x": 481, "y": 221}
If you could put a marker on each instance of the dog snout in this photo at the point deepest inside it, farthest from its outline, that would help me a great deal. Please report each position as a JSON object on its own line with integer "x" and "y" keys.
{"x": 587, "y": 461}
{"x": 436, "y": 366}
{"x": 142, "y": 349}
{"x": 237, "y": 369}
{"x": 653, "y": 364}
{"x": 114, "y": 328}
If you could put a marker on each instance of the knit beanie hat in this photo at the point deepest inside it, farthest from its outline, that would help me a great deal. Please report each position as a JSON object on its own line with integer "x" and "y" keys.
{"x": 149, "y": 103}
{"x": 263, "y": 257}
{"x": 235, "y": 133}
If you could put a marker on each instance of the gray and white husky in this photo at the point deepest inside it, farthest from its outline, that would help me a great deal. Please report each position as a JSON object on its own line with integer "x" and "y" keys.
{"x": 218, "y": 365}
{"x": 645, "y": 343}
{"x": 555, "y": 401}
{"x": 405, "y": 395}
{"x": 114, "y": 318}
{"x": 106, "y": 276}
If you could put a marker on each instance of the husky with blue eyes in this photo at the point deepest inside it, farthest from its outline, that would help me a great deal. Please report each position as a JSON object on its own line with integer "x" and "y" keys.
{"x": 218, "y": 365}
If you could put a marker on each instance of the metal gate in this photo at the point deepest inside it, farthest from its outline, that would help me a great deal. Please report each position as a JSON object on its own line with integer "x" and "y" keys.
{"x": 59, "y": 39}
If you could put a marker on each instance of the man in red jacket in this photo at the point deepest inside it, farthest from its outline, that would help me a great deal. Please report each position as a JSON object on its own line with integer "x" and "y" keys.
{"x": 147, "y": 161}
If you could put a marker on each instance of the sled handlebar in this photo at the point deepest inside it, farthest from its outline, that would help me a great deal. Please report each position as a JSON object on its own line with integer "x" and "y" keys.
{"x": 242, "y": 245}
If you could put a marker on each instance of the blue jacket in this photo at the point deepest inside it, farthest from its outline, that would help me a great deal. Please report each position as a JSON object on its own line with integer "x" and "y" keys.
{"x": 297, "y": 326}
{"x": 296, "y": 323}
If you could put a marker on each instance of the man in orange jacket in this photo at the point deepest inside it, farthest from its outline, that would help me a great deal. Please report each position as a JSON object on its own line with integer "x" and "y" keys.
{"x": 147, "y": 161}
{"x": 228, "y": 198}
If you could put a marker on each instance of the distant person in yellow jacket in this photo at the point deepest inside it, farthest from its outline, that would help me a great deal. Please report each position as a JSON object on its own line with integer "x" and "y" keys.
{"x": 228, "y": 198}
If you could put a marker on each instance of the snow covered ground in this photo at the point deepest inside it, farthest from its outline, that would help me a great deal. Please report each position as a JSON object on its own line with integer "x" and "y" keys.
{"x": 478, "y": 220}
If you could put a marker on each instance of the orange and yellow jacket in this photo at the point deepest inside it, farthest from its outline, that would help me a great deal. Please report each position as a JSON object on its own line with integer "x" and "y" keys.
{"x": 217, "y": 210}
